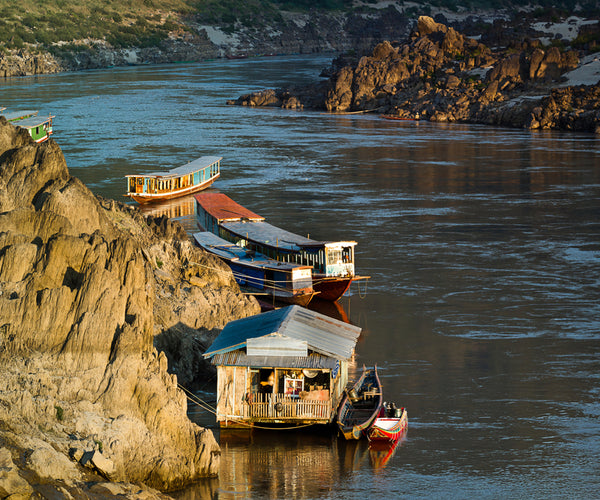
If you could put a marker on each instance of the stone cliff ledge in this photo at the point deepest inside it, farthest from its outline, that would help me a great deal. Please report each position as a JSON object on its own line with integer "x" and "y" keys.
{"x": 85, "y": 287}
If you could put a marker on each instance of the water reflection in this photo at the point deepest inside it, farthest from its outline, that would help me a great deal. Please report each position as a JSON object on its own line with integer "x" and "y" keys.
{"x": 381, "y": 452}
{"x": 292, "y": 464}
{"x": 176, "y": 208}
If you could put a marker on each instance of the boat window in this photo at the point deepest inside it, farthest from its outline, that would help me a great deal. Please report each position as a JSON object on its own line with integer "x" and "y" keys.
{"x": 334, "y": 255}
{"x": 347, "y": 254}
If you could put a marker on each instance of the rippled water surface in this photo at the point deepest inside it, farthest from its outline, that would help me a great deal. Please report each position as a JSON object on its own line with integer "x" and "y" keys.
{"x": 483, "y": 247}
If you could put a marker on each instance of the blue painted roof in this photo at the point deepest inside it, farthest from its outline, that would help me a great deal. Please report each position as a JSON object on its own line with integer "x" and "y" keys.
{"x": 325, "y": 335}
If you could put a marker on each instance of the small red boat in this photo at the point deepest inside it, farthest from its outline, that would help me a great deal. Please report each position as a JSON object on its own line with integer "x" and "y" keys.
{"x": 389, "y": 425}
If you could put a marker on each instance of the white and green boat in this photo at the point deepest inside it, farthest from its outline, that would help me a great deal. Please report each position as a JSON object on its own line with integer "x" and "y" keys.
{"x": 39, "y": 128}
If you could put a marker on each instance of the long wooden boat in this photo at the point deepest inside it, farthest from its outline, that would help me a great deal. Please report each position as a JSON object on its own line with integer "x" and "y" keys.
{"x": 394, "y": 117}
{"x": 39, "y": 128}
{"x": 283, "y": 281}
{"x": 360, "y": 405}
{"x": 389, "y": 425}
{"x": 332, "y": 261}
{"x": 187, "y": 179}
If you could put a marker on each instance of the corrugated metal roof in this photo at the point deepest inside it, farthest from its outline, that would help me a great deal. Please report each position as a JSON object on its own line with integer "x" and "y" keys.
{"x": 276, "y": 345}
{"x": 239, "y": 358}
{"x": 323, "y": 334}
{"x": 223, "y": 208}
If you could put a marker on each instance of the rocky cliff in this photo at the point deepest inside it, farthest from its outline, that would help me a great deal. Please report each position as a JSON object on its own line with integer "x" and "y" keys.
{"x": 85, "y": 285}
{"x": 439, "y": 74}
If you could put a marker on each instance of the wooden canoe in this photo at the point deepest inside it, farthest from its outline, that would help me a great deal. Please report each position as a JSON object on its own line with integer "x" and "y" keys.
{"x": 360, "y": 405}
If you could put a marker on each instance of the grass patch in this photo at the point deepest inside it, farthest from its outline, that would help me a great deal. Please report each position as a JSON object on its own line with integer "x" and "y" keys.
{"x": 141, "y": 23}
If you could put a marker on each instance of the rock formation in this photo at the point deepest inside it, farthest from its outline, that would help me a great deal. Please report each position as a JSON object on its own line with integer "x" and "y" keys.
{"x": 438, "y": 74}
{"x": 85, "y": 285}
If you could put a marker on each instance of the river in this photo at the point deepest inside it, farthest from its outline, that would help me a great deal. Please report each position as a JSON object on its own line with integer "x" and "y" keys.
{"x": 483, "y": 246}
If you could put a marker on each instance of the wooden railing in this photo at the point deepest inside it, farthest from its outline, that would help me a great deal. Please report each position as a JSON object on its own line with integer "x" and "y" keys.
{"x": 282, "y": 406}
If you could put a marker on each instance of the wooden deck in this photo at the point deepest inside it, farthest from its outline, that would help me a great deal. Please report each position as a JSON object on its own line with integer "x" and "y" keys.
{"x": 281, "y": 407}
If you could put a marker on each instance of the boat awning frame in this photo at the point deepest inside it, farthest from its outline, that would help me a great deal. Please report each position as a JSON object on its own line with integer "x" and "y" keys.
{"x": 189, "y": 168}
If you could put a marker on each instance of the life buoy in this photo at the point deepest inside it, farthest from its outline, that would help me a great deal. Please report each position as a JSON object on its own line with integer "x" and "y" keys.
{"x": 278, "y": 407}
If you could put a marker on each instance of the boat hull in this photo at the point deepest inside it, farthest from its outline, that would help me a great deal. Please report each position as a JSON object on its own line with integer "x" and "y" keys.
{"x": 149, "y": 198}
{"x": 388, "y": 429}
{"x": 258, "y": 275}
{"x": 331, "y": 288}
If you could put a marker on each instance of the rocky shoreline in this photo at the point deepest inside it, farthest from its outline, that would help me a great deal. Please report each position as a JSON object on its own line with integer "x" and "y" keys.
{"x": 441, "y": 75}
{"x": 88, "y": 406}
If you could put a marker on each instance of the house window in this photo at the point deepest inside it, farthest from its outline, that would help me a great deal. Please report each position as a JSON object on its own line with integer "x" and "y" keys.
{"x": 293, "y": 386}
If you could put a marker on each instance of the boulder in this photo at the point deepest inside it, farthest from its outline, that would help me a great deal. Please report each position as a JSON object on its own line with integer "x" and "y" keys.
{"x": 12, "y": 485}
{"x": 95, "y": 460}
{"x": 440, "y": 74}
{"x": 47, "y": 463}
{"x": 426, "y": 26}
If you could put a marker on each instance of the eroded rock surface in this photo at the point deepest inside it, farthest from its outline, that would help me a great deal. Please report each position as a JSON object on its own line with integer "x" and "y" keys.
{"x": 441, "y": 75}
{"x": 85, "y": 285}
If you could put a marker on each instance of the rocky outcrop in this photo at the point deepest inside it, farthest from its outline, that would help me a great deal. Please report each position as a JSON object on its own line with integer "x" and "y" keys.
{"x": 439, "y": 74}
{"x": 23, "y": 63}
{"x": 85, "y": 286}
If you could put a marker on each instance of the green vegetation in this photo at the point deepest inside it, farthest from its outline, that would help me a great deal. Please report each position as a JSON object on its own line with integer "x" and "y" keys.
{"x": 60, "y": 25}
{"x": 60, "y": 413}
{"x": 121, "y": 23}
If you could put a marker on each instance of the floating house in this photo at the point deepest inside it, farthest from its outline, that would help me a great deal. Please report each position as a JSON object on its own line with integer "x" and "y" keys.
{"x": 287, "y": 366}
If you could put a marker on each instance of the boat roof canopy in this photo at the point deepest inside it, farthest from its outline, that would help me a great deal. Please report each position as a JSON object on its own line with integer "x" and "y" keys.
{"x": 188, "y": 168}
{"x": 322, "y": 334}
{"x": 32, "y": 121}
{"x": 223, "y": 208}
{"x": 228, "y": 250}
{"x": 17, "y": 115}
{"x": 246, "y": 224}
{"x": 272, "y": 236}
